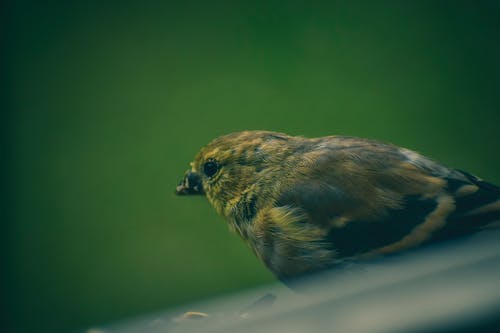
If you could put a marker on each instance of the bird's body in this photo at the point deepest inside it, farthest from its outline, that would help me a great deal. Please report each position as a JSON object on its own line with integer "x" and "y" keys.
{"x": 305, "y": 205}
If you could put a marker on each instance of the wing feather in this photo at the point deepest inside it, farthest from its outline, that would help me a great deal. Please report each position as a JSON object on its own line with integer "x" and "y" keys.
{"x": 373, "y": 198}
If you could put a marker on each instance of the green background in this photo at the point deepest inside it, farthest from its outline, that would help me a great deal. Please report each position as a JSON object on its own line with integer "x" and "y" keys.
{"x": 107, "y": 103}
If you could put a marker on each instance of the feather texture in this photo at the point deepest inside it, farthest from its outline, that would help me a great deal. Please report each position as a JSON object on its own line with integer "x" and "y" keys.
{"x": 304, "y": 205}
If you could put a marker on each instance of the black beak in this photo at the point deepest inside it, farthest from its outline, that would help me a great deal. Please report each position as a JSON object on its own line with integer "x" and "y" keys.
{"x": 190, "y": 185}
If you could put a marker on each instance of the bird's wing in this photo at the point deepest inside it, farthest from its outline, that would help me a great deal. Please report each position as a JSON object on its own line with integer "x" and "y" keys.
{"x": 372, "y": 198}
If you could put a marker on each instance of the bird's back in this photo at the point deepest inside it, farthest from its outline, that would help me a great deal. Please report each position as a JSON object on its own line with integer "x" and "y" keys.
{"x": 373, "y": 199}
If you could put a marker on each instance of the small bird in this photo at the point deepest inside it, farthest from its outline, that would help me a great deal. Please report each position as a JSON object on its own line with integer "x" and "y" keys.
{"x": 305, "y": 205}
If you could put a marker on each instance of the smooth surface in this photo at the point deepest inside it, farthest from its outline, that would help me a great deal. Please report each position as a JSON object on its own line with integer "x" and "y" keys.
{"x": 451, "y": 288}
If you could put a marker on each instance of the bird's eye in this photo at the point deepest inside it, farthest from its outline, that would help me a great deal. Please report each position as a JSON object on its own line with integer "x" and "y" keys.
{"x": 210, "y": 168}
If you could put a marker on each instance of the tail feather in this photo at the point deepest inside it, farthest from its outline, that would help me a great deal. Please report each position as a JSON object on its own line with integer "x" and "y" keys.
{"x": 481, "y": 183}
{"x": 477, "y": 207}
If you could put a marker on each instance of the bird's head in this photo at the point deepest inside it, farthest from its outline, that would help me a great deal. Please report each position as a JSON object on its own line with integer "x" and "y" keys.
{"x": 231, "y": 165}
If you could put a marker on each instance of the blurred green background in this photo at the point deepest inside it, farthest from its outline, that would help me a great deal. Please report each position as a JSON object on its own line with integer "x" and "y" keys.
{"x": 108, "y": 101}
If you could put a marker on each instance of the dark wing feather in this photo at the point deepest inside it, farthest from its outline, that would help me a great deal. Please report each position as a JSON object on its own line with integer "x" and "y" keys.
{"x": 477, "y": 206}
{"x": 358, "y": 236}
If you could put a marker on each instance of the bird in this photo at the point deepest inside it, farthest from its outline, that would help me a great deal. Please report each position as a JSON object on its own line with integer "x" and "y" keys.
{"x": 306, "y": 205}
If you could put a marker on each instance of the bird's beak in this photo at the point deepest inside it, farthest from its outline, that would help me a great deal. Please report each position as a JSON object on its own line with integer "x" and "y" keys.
{"x": 190, "y": 185}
